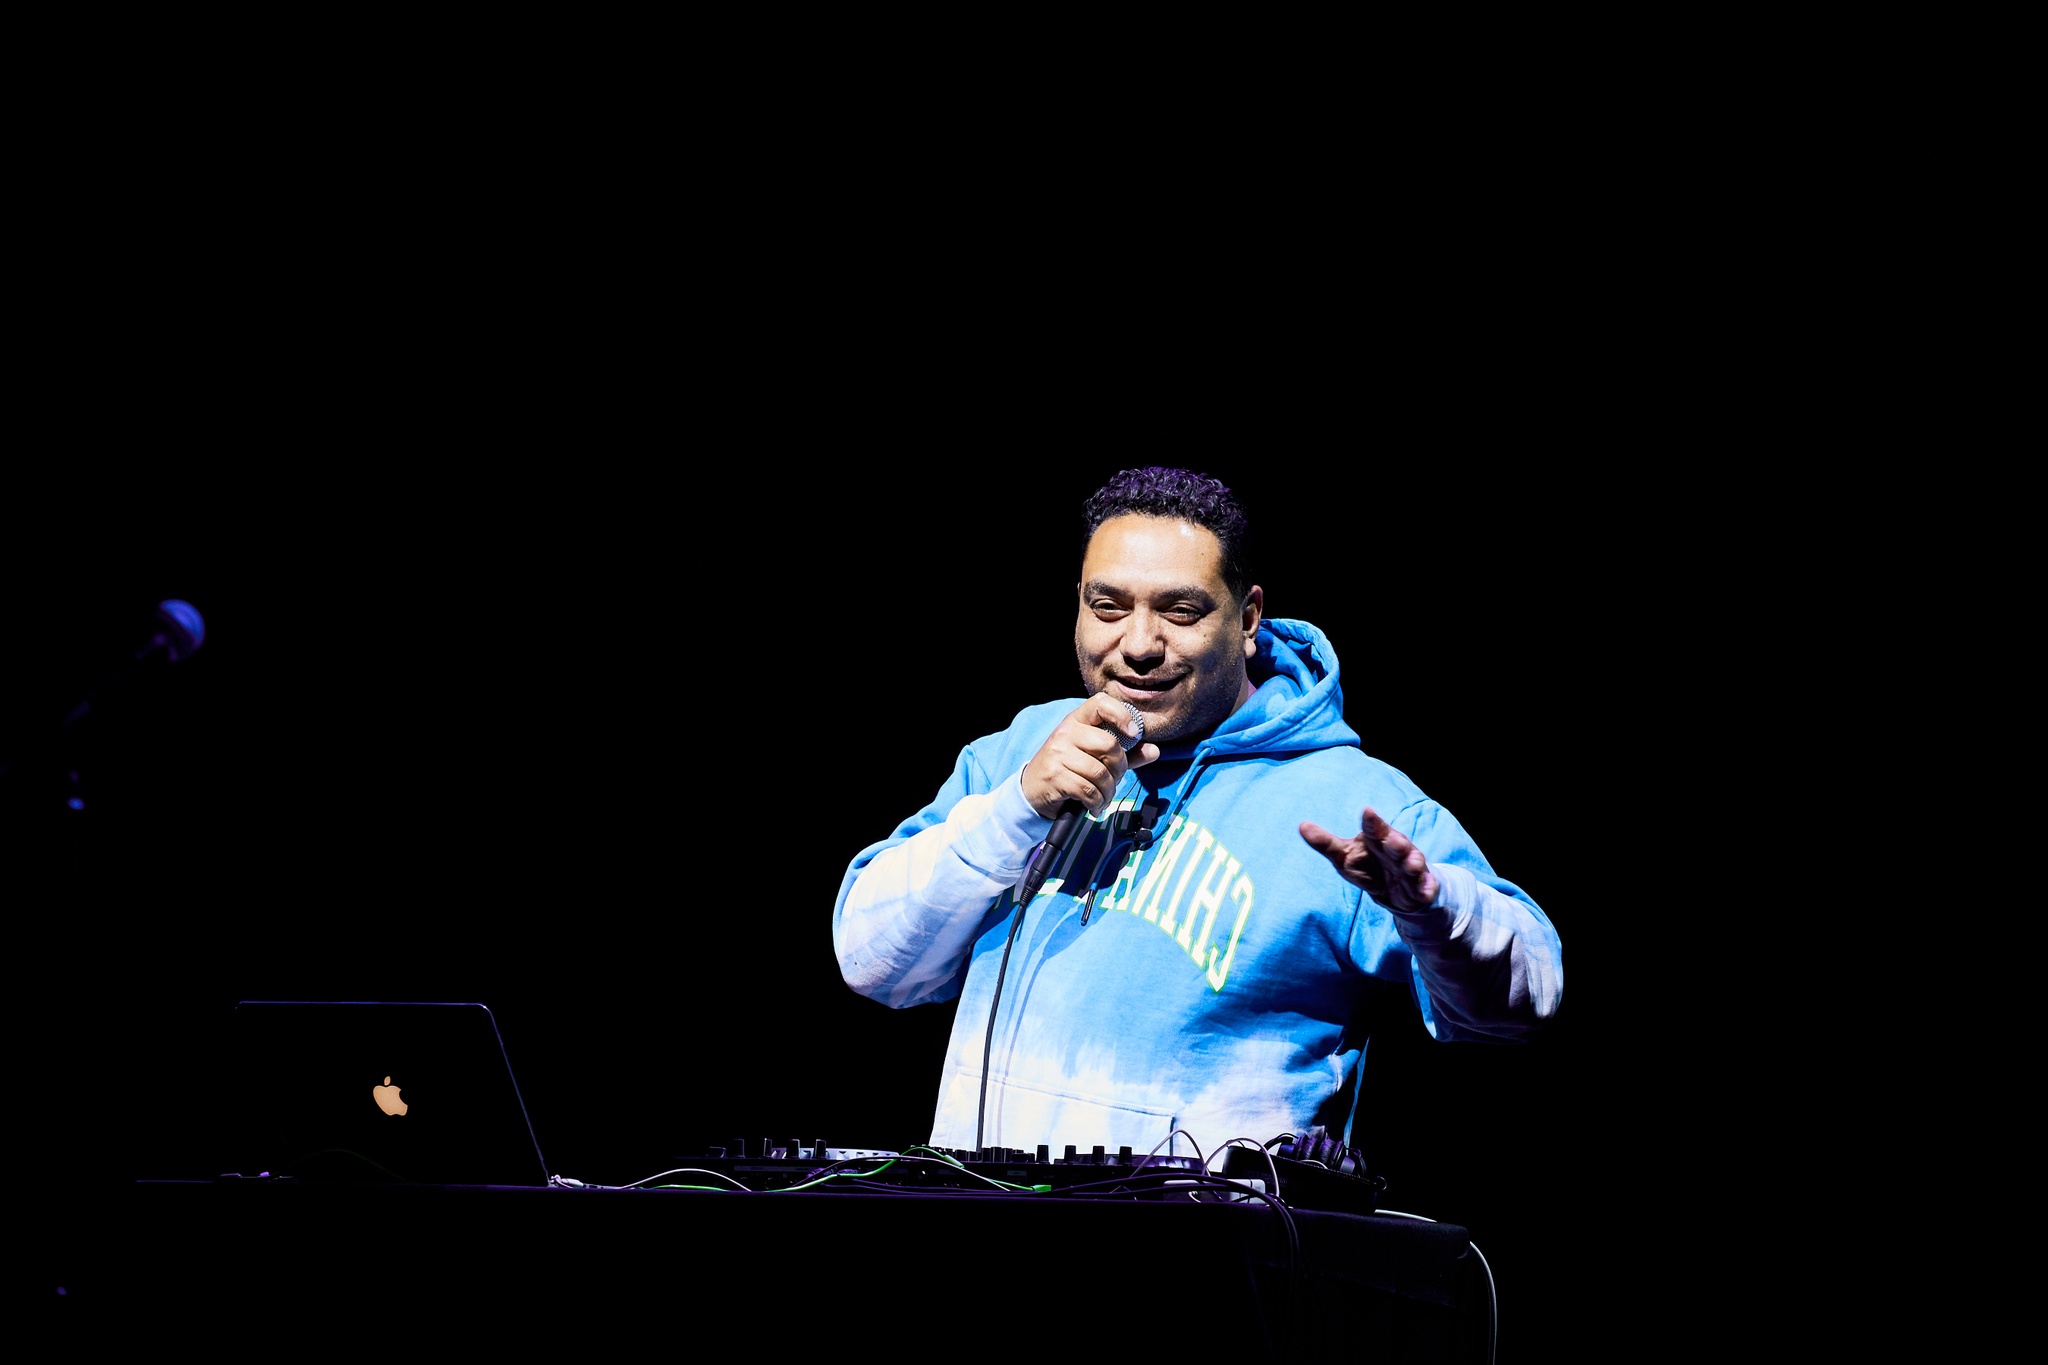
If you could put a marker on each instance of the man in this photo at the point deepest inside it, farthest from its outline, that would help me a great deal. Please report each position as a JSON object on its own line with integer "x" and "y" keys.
{"x": 1192, "y": 949}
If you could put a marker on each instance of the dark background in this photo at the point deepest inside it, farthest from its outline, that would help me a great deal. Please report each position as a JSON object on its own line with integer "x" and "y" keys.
{"x": 596, "y": 552}
{"x": 592, "y": 740}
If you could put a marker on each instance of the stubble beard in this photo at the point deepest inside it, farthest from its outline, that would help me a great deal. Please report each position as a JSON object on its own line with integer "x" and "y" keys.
{"x": 1188, "y": 715}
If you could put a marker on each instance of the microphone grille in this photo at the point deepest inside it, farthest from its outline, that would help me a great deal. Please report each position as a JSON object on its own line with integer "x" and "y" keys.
{"x": 180, "y": 627}
{"x": 1137, "y": 719}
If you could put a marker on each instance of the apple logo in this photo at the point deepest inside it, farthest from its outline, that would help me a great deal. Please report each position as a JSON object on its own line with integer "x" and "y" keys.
{"x": 387, "y": 1098}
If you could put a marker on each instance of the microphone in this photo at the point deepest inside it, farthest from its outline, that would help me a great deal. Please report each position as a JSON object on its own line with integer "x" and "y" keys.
{"x": 180, "y": 630}
{"x": 176, "y": 633}
{"x": 1066, "y": 822}
{"x": 1148, "y": 816}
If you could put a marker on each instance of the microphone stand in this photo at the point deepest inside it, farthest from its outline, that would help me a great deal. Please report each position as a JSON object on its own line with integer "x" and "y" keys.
{"x": 51, "y": 757}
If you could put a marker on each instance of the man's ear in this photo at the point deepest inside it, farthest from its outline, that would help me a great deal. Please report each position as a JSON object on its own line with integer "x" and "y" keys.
{"x": 1254, "y": 612}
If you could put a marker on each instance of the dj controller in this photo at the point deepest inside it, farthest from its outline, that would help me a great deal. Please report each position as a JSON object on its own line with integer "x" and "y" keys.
{"x": 1302, "y": 1173}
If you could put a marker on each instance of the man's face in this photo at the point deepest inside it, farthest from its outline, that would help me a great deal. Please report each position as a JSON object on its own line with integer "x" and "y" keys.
{"x": 1157, "y": 627}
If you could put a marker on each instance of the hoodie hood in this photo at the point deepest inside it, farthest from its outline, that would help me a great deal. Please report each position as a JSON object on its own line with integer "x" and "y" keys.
{"x": 1298, "y": 705}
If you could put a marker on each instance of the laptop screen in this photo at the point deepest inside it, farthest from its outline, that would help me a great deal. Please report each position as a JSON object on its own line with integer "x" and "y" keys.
{"x": 402, "y": 1092}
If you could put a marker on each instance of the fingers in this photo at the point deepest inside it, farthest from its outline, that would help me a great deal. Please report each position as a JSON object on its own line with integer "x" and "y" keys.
{"x": 1354, "y": 858}
{"x": 1374, "y": 836}
{"x": 1379, "y": 859}
{"x": 1053, "y": 779}
{"x": 1404, "y": 879}
{"x": 1321, "y": 840}
{"x": 1123, "y": 720}
{"x": 1386, "y": 841}
{"x": 1122, "y": 723}
{"x": 1084, "y": 759}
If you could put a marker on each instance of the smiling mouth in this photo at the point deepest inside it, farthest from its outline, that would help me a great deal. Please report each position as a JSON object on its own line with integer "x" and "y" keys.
{"x": 1141, "y": 691}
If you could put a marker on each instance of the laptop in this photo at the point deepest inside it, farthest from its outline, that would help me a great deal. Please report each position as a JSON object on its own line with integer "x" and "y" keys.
{"x": 375, "y": 1092}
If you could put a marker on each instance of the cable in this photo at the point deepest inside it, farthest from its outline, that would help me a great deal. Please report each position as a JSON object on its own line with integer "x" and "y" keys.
{"x": 1261, "y": 1148}
{"x": 910, "y": 1173}
{"x": 988, "y": 1038}
{"x": 1003, "y": 968}
{"x": 828, "y": 1174}
{"x": 1178, "y": 1132}
{"x": 1492, "y": 1293}
{"x": 646, "y": 1182}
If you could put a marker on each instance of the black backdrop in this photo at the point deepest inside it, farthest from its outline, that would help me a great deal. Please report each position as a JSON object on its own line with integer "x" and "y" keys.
{"x": 591, "y": 741}
{"x": 604, "y": 529}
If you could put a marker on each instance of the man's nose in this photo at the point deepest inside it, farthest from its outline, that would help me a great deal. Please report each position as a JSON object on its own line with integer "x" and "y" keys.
{"x": 1143, "y": 638}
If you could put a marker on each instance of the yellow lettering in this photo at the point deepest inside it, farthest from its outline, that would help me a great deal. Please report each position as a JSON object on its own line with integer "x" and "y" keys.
{"x": 1210, "y": 896}
{"x": 1114, "y": 894}
{"x": 1221, "y": 885}
{"x": 1219, "y": 972}
{"x": 1203, "y": 838}
{"x": 1168, "y": 853}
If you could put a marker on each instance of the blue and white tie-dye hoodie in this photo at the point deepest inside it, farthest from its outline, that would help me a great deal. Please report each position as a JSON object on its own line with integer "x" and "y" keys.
{"x": 1210, "y": 984}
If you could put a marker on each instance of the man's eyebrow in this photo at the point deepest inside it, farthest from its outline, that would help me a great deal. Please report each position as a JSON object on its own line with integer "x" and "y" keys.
{"x": 1185, "y": 592}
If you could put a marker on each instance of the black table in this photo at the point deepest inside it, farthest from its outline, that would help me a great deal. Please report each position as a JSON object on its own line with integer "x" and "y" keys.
{"x": 282, "y": 1267}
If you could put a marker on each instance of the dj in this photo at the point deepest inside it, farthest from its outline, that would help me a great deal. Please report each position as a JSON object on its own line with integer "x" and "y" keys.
{"x": 1192, "y": 951}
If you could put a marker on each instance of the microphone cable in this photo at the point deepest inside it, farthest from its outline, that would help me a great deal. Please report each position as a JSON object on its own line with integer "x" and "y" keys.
{"x": 988, "y": 1037}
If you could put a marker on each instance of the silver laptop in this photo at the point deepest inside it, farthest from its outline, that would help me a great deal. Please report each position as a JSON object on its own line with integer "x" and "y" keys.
{"x": 394, "y": 1092}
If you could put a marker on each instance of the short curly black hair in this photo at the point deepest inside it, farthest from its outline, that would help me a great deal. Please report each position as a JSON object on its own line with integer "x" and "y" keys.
{"x": 1184, "y": 495}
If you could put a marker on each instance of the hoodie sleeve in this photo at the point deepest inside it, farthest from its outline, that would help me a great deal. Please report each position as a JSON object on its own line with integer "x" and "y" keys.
{"x": 911, "y": 906}
{"x": 1487, "y": 962}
